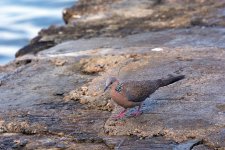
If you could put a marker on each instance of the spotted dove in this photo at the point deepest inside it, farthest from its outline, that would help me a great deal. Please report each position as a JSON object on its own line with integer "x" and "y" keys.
{"x": 129, "y": 94}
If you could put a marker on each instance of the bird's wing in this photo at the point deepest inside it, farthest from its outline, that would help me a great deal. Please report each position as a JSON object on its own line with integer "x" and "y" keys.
{"x": 138, "y": 91}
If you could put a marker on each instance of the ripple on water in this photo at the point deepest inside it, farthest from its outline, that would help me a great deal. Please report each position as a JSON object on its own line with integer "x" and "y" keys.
{"x": 22, "y": 19}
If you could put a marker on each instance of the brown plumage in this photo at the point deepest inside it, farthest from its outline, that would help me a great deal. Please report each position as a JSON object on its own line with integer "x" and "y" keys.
{"x": 129, "y": 94}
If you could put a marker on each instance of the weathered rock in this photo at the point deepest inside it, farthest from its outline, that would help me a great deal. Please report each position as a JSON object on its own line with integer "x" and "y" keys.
{"x": 217, "y": 138}
{"x": 34, "y": 48}
{"x": 192, "y": 108}
{"x": 169, "y": 112}
{"x": 58, "y": 62}
{"x": 188, "y": 144}
{"x": 119, "y": 18}
{"x": 201, "y": 147}
{"x": 45, "y": 111}
{"x": 55, "y": 99}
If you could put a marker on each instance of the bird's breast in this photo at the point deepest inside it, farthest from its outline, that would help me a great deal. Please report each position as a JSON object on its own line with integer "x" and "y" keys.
{"x": 118, "y": 94}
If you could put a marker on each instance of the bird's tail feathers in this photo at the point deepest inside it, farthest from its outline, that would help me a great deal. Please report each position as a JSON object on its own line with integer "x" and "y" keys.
{"x": 170, "y": 80}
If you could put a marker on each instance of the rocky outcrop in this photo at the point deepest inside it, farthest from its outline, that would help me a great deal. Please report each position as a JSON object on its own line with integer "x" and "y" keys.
{"x": 55, "y": 99}
{"x": 118, "y": 18}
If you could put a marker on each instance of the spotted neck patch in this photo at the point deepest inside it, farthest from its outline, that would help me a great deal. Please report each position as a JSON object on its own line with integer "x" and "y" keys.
{"x": 119, "y": 87}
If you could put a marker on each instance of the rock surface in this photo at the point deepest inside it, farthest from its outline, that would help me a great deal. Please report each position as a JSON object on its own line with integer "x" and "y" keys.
{"x": 55, "y": 99}
{"x": 118, "y": 18}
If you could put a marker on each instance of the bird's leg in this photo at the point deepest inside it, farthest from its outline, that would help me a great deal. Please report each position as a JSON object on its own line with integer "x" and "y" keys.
{"x": 137, "y": 112}
{"x": 121, "y": 114}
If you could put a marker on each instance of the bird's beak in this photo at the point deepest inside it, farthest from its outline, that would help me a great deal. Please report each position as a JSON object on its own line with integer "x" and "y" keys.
{"x": 106, "y": 87}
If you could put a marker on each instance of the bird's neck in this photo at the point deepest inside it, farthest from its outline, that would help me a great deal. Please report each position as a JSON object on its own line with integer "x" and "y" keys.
{"x": 118, "y": 87}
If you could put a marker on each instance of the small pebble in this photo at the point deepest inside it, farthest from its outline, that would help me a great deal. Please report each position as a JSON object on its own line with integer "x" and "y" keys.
{"x": 158, "y": 49}
{"x": 60, "y": 145}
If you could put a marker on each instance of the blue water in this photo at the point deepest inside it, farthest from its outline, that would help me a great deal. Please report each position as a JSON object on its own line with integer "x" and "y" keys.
{"x": 22, "y": 19}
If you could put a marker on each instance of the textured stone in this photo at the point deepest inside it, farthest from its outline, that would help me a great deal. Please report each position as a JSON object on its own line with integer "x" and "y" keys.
{"x": 40, "y": 101}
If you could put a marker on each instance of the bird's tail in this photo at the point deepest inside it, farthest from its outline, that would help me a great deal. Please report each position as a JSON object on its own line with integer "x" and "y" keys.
{"x": 170, "y": 80}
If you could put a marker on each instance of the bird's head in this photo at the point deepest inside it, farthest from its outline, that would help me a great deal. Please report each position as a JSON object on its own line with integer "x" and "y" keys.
{"x": 109, "y": 82}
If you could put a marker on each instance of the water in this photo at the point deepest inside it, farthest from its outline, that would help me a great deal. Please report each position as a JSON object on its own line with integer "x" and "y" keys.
{"x": 22, "y": 19}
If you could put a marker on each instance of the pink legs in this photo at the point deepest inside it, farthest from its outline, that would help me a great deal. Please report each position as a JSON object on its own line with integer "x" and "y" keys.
{"x": 134, "y": 114}
{"x": 121, "y": 114}
{"x": 137, "y": 112}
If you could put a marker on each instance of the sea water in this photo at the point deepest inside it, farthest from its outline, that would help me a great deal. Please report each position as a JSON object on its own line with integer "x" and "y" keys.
{"x": 20, "y": 21}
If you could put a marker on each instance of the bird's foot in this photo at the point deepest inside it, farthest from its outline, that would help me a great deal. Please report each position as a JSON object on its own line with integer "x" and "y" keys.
{"x": 120, "y": 115}
{"x": 136, "y": 113}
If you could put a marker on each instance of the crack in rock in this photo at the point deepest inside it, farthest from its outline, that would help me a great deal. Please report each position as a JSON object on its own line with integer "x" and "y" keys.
{"x": 188, "y": 145}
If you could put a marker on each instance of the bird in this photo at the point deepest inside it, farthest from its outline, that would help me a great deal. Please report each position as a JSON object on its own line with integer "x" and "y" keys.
{"x": 129, "y": 94}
